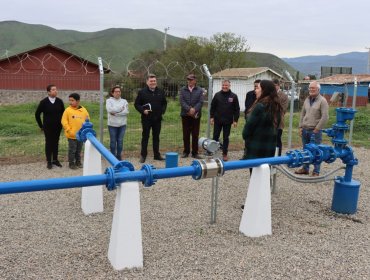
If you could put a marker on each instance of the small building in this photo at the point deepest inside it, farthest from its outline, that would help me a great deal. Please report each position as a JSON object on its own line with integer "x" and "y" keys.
{"x": 24, "y": 76}
{"x": 242, "y": 79}
{"x": 345, "y": 84}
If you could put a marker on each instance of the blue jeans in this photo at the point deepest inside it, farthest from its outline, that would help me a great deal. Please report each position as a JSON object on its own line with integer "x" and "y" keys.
{"x": 306, "y": 138}
{"x": 116, "y": 140}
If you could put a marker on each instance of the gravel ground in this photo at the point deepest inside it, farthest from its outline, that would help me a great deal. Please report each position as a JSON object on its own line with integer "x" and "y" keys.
{"x": 45, "y": 235}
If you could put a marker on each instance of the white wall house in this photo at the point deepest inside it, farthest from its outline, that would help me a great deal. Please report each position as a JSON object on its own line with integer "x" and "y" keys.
{"x": 242, "y": 79}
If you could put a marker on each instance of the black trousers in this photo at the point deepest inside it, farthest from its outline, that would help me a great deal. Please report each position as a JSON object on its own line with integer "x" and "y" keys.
{"x": 225, "y": 135}
{"x": 52, "y": 143}
{"x": 155, "y": 125}
{"x": 279, "y": 143}
{"x": 190, "y": 126}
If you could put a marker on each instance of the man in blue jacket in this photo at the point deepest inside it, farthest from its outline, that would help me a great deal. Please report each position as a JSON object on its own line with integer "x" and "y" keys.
{"x": 225, "y": 111}
{"x": 151, "y": 103}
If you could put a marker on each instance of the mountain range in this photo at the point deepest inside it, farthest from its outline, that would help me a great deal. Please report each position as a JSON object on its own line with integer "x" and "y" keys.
{"x": 312, "y": 64}
{"x": 118, "y": 46}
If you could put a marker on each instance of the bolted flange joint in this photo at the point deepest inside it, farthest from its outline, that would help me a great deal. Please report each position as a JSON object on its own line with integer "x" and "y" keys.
{"x": 124, "y": 166}
{"x": 299, "y": 157}
{"x": 111, "y": 182}
{"x": 149, "y": 180}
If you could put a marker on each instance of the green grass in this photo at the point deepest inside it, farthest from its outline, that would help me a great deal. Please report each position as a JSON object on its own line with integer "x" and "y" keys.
{"x": 20, "y": 136}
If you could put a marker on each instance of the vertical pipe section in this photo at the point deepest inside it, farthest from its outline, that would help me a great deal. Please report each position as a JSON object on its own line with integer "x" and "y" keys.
{"x": 354, "y": 107}
{"x": 210, "y": 95}
{"x": 291, "y": 109}
{"x": 101, "y": 112}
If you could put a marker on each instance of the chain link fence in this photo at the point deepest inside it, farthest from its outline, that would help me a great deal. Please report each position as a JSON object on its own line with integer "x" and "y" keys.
{"x": 26, "y": 141}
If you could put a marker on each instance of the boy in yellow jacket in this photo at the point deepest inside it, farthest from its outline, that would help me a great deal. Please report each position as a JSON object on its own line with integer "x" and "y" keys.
{"x": 73, "y": 118}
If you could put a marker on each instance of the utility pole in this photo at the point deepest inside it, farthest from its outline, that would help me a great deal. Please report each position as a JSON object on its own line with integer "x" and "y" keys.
{"x": 165, "y": 38}
{"x": 368, "y": 60}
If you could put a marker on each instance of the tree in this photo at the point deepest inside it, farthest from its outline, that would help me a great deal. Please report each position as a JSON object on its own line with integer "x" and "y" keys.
{"x": 221, "y": 51}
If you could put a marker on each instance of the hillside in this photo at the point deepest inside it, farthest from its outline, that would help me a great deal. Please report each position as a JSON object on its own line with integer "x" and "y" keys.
{"x": 271, "y": 61}
{"x": 117, "y": 46}
{"x": 312, "y": 64}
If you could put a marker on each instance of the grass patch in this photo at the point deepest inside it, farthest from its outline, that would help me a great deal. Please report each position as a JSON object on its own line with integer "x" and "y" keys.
{"x": 21, "y": 137}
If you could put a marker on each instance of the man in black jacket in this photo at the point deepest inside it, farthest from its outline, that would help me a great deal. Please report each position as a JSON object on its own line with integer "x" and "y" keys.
{"x": 225, "y": 111}
{"x": 151, "y": 103}
{"x": 52, "y": 109}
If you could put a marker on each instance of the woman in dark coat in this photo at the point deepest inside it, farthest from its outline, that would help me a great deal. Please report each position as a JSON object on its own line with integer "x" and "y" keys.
{"x": 260, "y": 130}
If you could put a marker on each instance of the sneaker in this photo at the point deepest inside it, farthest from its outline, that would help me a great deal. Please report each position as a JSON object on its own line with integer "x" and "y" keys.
{"x": 225, "y": 158}
{"x": 302, "y": 171}
{"x": 159, "y": 157}
{"x": 57, "y": 163}
{"x": 142, "y": 159}
{"x": 314, "y": 174}
{"x": 185, "y": 155}
{"x": 72, "y": 166}
{"x": 49, "y": 165}
{"x": 79, "y": 164}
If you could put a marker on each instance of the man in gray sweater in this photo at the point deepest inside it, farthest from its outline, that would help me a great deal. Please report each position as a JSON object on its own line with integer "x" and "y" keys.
{"x": 314, "y": 116}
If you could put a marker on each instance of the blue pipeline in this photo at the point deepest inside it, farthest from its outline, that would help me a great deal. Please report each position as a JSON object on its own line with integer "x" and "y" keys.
{"x": 123, "y": 171}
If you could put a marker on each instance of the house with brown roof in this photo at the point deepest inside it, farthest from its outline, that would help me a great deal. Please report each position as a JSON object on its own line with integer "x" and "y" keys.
{"x": 344, "y": 85}
{"x": 242, "y": 79}
{"x": 24, "y": 76}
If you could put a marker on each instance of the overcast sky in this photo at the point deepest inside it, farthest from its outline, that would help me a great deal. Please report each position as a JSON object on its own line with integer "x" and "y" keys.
{"x": 286, "y": 28}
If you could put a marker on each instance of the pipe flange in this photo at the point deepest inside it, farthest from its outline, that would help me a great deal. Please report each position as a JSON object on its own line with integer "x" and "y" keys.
{"x": 122, "y": 165}
{"x": 87, "y": 127}
{"x": 111, "y": 182}
{"x": 149, "y": 180}
{"x": 297, "y": 158}
{"x": 198, "y": 169}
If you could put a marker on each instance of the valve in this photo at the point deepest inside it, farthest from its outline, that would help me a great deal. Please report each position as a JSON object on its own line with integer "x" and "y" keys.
{"x": 87, "y": 127}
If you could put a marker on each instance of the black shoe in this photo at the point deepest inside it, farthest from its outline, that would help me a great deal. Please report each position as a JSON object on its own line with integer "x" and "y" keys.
{"x": 79, "y": 164}
{"x": 185, "y": 155}
{"x": 72, "y": 166}
{"x": 159, "y": 158}
{"x": 242, "y": 207}
{"x": 57, "y": 163}
{"x": 142, "y": 159}
{"x": 197, "y": 156}
{"x": 49, "y": 165}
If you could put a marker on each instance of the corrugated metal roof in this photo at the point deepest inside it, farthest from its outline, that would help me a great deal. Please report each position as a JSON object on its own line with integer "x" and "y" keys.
{"x": 242, "y": 72}
{"x": 345, "y": 79}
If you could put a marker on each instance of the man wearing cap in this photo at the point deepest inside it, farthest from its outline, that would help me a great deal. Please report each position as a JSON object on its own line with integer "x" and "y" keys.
{"x": 191, "y": 101}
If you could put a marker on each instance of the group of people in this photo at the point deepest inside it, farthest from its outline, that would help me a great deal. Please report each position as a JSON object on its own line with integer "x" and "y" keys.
{"x": 265, "y": 107}
{"x": 56, "y": 116}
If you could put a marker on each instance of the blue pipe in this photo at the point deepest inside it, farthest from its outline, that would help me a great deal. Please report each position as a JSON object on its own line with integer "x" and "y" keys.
{"x": 123, "y": 171}
{"x": 102, "y": 149}
{"x": 52, "y": 184}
